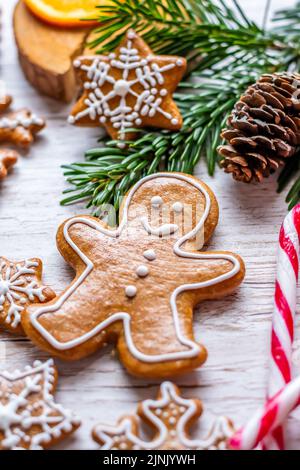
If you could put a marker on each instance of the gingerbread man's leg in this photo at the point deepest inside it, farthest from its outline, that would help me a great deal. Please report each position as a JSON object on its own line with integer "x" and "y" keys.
{"x": 164, "y": 338}
{"x": 158, "y": 344}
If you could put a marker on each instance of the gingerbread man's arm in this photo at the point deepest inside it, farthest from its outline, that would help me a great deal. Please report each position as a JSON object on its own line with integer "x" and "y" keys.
{"x": 60, "y": 325}
{"x": 224, "y": 272}
{"x": 208, "y": 275}
{"x": 235, "y": 277}
{"x": 76, "y": 238}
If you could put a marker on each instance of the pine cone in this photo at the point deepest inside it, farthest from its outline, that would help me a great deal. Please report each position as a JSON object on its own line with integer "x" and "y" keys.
{"x": 263, "y": 129}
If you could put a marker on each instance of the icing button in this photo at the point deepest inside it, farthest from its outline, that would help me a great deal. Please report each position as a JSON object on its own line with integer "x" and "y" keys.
{"x": 142, "y": 271}
{"x": 177, "y": 207}
{"x": 150, "y": 255}
{"x": 156, "y": 201}
{"x": 130, "y": 291}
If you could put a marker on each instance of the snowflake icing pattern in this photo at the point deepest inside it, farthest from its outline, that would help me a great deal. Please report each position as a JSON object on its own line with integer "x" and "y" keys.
{"x": 26, "y": 403}
{"x": 112, "y": 81}
{"x": 170, "y": 416}
{"x": 17, "y": 289}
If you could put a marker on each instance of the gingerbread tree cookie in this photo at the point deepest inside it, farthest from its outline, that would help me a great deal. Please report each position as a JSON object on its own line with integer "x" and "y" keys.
{"x": 20, "y": 286}
{"x": 29, "y": 417}
{"x": 137, "y": 285}
{"x": 170, "y": 416}
{"x": 129, "y": 88}
{"x": 20, "y": 127}
{"x": 8, "y": 158}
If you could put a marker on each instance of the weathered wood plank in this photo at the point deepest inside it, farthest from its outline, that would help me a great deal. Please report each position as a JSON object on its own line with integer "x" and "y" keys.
{"x": 235, "y": 330}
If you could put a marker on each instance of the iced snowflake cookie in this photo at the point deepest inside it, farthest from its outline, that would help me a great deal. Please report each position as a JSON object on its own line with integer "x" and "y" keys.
{"x": 129, "y": 88}
{"x": 8, "y": 158}
{"x": 170, "y": 417}
{"x": 20, "y": 127}
{"x": 137, "y": 285}
{"x": 20, "y": 286}
{"x": 29, "y": 417}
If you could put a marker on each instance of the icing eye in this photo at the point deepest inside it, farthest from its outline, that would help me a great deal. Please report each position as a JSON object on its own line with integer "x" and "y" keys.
{"x": 177, "y": 207}
{"x": 156, "y": 202}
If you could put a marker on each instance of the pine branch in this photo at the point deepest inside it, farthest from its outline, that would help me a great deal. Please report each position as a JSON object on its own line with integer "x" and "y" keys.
{"x": 181, "y": 27}
{"x": 233, "y": 53}
{"x": 287, "y": 29}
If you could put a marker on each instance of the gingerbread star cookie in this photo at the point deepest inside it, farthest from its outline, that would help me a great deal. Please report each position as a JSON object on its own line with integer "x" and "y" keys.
{"x": 170, "y": 417}
{"x": 129, "y": 88}
{"x": 29, "y": 417}
{"x": 137, "y": 285}
{"x": 20, "y": 127}
{"x": 20, "y": 286}
{"x": 8, "y": 158}
{"x": 5, "y": 102}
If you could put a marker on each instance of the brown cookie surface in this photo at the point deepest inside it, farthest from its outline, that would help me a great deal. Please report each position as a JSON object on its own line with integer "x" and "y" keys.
{"x": 8, "y": 158}
{"x": 137, "y": 285}
{"x": 5, "y": 102}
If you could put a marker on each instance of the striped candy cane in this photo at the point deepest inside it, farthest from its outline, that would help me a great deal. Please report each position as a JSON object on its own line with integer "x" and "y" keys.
{"x": 282, "y": 338}
{"x": 265, "y": 421}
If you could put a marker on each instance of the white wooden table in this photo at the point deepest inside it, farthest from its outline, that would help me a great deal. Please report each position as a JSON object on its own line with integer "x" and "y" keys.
{"x": 235, "y": 330}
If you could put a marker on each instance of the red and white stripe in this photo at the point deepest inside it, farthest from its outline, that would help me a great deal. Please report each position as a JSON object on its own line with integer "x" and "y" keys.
{"x": 281, "y": 341}
{"x": 283, "y": 316}
{"x": 269, "y": 418}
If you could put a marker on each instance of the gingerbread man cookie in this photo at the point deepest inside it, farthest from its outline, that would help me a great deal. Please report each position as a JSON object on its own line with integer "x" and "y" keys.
{"x": 20, "y": 286}
{"x": 8, "y": 158}
{"x": 170, "y": 416}
{"x": 29, "y": 417}
{"x": 137, "y": 285}
{"x": 129, "y": 88}
{"x": 20, "y": 127}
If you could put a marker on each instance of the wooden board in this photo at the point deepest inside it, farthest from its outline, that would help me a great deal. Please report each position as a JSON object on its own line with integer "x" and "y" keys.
{"x": 46, "y": 53}
{"x": 235, "y": 331}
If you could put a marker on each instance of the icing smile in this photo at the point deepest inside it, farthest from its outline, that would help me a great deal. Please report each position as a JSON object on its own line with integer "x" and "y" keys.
{"x": 161, "y": 231}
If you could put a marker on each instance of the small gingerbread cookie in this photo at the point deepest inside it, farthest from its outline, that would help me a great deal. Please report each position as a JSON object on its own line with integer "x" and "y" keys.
{"x": 138, "y": 285}
{"x": 29, "y": 417}
{"x": 20, "y": 127}
{"x": 8, "y": 158}
{"x": 170, "y": 417}
{"x": 130, "y": 88}
{"x": 20, "y": 286}
{"x": 5, "y": 102}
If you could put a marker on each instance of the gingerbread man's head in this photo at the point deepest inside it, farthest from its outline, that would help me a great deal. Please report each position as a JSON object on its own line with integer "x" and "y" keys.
{"x": 170, "y": 206}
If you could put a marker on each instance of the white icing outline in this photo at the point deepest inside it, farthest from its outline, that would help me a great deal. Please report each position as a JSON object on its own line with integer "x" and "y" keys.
{"x": 20, "y": 121}
{"x": 194, "y": 348}
{"x": 220, "y": 430}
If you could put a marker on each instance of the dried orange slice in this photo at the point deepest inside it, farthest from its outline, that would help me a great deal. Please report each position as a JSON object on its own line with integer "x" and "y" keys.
{"x": 67, "y": 13}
